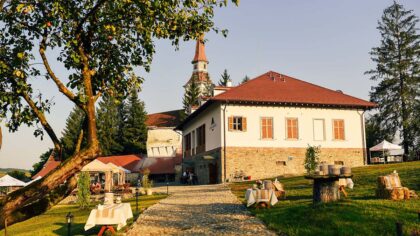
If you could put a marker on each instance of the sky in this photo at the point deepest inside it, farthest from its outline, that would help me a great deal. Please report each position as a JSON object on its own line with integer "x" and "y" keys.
{"x": 326, "y": 42}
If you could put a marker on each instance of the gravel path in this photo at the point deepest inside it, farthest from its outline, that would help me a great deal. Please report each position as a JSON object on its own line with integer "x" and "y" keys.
{"x": 198, "y": 210}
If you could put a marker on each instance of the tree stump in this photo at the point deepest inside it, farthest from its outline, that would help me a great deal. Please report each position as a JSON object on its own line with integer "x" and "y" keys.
{"x": 325, "y": 190}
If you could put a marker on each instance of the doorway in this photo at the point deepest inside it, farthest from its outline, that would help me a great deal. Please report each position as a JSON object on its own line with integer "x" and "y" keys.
{"x": 212, "y": 173}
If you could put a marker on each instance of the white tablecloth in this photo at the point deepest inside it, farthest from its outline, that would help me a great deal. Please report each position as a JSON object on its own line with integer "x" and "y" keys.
{"x": 251, "y": 197}
{"x": 115, "y": 214}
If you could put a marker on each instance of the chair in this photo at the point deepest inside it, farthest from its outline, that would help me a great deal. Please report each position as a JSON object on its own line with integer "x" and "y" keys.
{"x": 389, "y": 187}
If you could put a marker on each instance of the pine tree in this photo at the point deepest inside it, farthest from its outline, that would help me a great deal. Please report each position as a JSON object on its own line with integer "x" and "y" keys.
{"x": 109, "y": 125}
{"x": 135, "y": 129}
{"x": 74, "y": 124}
{"x": 225, "y": 78}
{"x": 398, "y": 72}
{"x": 191, "y": 96}
{"x": 245, "y": 79}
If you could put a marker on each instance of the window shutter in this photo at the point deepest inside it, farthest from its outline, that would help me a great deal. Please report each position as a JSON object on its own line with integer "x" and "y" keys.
{"x": 244, "y": 124}
{"x": 230, "y": 121}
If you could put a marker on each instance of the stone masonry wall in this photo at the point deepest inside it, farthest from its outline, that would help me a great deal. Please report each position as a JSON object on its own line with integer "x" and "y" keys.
{"x": 270, "y": 162}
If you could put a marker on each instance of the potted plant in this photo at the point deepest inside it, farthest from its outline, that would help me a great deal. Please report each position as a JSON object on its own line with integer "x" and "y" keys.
{"x": 146, "y": 183}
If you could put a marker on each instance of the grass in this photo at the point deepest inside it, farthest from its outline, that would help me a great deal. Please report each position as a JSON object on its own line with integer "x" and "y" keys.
{"x": 52, "y": 222}
{"x": 359, "y": 214}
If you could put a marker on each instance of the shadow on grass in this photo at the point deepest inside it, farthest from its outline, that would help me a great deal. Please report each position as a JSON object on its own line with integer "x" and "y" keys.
{"x": 76, "y": 229}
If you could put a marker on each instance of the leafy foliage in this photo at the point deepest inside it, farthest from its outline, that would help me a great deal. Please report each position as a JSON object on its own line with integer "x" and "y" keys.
{"x": 225, "y": 78}
{"x": 135, "y": 130}
{"x": 74, "y": 124}
{"x": 398, "y": 72}
{"x": 109, "y": 123}
{"x": 18, "y": 175}
{"x": 191, "y": 96}
{"x": 105, "y": 40}
{"x": 312, "y": 158}
{"x": 245, "y": 79}
{"x": 83, "y": 190}
{"x": 39, "y": 165}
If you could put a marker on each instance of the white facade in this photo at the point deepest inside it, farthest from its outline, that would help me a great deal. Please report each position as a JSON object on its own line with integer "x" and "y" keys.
{"x": 163, "y": 142}
{"x": 315, "y": 127}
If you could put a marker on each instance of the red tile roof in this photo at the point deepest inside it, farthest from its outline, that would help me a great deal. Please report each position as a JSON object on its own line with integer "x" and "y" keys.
{"x": 50, "y": 165}
{"x": 164, "y": 119}
{"x": 200, "y": 52}
{"x": 273, "y": 87}
{"x": 161, "y": 165}
{"x": 129, "y": 162}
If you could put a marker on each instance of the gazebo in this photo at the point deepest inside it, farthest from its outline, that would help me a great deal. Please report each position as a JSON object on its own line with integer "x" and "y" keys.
{"x": 118, "y": 174}
{"x": 390, "y": 152}
{"x": 101, "y": 173}
{"x": 9, "y": 184}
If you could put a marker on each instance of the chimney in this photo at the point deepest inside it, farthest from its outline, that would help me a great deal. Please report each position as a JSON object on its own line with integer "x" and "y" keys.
{"x": 229, "y": 83}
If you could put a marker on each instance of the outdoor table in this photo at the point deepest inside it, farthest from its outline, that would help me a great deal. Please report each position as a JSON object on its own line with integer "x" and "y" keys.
{"x": 113, "y": 214}
{"x": 253, "y": 196}
{"x": 325, "y": 187}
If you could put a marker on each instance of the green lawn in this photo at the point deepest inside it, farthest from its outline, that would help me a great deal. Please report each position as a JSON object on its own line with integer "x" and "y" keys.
{"x": 360, "y": 214}
{"x": 53, "y": 221}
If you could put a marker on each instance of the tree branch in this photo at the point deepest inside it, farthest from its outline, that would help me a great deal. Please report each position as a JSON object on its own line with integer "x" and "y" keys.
{"x": 47, "y": 127}
{"x": 89, "y": 14}
{"x": 61, "y": 87}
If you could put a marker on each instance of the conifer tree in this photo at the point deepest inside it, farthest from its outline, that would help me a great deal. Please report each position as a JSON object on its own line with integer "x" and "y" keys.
{"x": 191, "y": 96}
{"x": 398, "y": 73}
{"x": 135, "y": 129}
{"x": 225, "y": 78}
{"x": 74, "y": 124}
{"x": 109, "y": 125}
{"x": 245, "y": 79}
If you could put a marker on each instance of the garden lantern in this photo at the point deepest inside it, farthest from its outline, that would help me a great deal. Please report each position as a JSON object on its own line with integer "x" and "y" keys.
{"x": 137, "y": 199}
{"x": 167, "y": 188}
{"x": 69, "y": 219}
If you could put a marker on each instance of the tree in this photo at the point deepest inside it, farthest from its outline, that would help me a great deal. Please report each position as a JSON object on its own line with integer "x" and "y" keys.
{"x": 398, "y": 72}
{"x": 225, "y": 78}
{"x": 83, "y": 190}
{"x": 109, "y": 125}
{"x": 312, "y": 158}
{"x": 245, "y": 79}
{"x": 135, "y": 130}
{"x": 74, "y": 126}
{"x": 99, "y": 43}
{"x": 20, "y": 175}
{"x": 191, "y": 96}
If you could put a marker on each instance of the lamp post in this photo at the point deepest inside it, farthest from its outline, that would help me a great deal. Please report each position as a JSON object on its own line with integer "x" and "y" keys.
{"x": 137, "y": 199}
{"x": 167, "y": 188}
{"x": 69, "y": 219}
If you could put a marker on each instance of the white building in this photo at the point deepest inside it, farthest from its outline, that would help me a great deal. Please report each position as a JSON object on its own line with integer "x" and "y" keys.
{"x": 263, "y": 127}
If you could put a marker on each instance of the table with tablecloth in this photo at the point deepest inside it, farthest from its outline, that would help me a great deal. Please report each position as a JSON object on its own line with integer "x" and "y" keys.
{"x": 253, "y": 196}
{"x": 113, "y": 214}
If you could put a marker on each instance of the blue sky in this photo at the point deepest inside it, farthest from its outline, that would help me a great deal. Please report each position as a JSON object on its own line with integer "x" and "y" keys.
{"x": 326, "y": 42}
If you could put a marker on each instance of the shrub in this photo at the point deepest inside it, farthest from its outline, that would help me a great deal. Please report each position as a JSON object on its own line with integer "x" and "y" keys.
{"x": 83, "y": 193}
{"x": 312, "y": 158}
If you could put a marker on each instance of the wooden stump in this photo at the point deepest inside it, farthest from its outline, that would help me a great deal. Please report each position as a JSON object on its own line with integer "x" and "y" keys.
{"x": 325, "y": 190}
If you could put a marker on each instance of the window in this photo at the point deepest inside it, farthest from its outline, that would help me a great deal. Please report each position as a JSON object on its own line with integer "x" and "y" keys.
{"x": 319, "y": 130}
{"x": 237, "y": 123}
{"x": 201, "y": 139}
{"x": 187, "y": 140}
{"x": 292, "y": 128}
{"x": 266, "y": 128}
{"x": 338, "y": 129}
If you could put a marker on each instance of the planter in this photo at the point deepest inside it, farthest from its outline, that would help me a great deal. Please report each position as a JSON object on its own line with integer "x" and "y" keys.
{"x": 149, "y": 192}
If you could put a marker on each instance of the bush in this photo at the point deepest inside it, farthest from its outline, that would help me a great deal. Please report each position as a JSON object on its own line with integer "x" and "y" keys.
{"x": 146, "y": 183}
{"x": 312, "y": 158}
{"x": 83, "y": 193}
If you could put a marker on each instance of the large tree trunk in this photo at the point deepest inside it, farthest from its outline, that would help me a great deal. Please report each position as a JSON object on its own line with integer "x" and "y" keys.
{"x": 17, "y": 201}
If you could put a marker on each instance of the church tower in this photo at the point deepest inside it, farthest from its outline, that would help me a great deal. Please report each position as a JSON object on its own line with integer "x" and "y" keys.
{"x": 200, "y": 75}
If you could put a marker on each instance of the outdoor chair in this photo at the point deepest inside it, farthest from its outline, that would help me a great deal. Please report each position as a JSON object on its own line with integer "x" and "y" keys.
{"x": 389, "y": 187}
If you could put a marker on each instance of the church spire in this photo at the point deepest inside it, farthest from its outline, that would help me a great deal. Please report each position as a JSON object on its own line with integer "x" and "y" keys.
{"x": 200, "y": 52}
